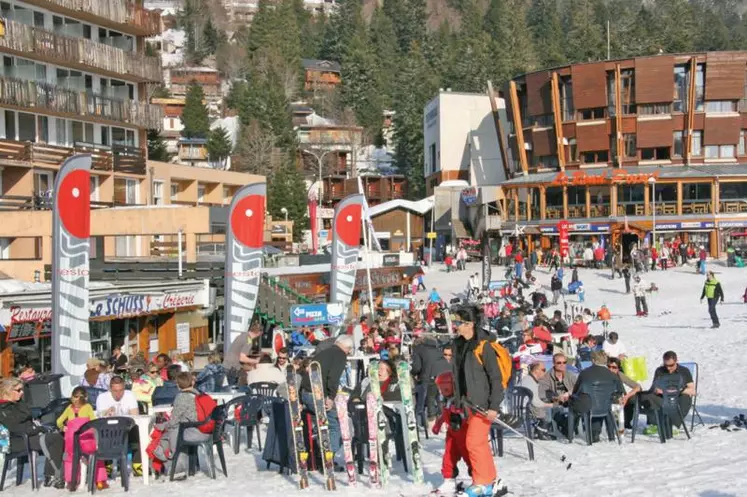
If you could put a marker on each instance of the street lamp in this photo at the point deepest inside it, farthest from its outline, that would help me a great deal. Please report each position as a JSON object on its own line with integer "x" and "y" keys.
{"x": 652, "y": 182}
{"x": 284, "y": 211}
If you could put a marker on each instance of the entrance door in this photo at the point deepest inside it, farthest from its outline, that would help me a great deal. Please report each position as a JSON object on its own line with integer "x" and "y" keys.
{"x": 43, "y": 182}
{"x": 628, "y": 240}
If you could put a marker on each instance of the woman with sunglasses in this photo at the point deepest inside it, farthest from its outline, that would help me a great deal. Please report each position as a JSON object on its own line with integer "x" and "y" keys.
{"x": 15, "y": 415}
{"x": 632, "y": 388}
{"x": 78, "y": 408}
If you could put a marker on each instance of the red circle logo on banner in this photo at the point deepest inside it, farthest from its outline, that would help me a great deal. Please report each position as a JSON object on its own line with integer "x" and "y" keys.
{"x": 74, "y": 203}
{"x": 348, "y": 225}
{"x": 247, "y": 220}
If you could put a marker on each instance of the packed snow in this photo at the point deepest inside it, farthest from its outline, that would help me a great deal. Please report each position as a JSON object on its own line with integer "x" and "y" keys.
{"x": 712, "y": 464}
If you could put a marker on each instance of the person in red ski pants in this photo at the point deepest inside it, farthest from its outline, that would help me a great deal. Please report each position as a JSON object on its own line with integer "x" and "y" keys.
{"x": 456, "y": 446}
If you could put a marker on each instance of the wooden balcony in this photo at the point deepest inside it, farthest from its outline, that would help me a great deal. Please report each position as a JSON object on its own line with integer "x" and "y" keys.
{"x": 696, "y": 207}
{"x": 37, "y": 202}
{"x": 733, "y": 206}
{"x": 41, "y": 97}
{"x": 125, "y": 15}
{"x": 40, "y": 44}
{"x": 118, "y": 159}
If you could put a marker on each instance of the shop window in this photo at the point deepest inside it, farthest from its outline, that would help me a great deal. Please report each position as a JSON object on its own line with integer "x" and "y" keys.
{"x": 716, "y": 106}
{"x": 654, "y": 109}
{"x": 677, "y": 144}
{"x": 599, "y": 156}
{"x": 696, "y": 191}
{"x": 630, "y": 193}
{"x": 554, "y": 196}
{"x": 590, "y": 114}
{"x": 655, "y": 153}
{"x": 720, "y": 151}
{"x": 732, "y": 191}
{"x": 629, "y": 145}
{"x": 576, "y": 195}
{"x": 696, "y": 144}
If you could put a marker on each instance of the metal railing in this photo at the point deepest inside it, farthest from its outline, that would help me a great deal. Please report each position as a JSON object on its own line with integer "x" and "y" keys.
{"x": 81, "y": 51}
{"x": 45, "y": 96}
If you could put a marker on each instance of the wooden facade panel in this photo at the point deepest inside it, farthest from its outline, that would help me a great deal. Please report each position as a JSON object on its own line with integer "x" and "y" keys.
{"x": 744, "y": 120}
{"x": 698, "y": 120}
{"x": 722, "y": 130}
{"x": 651, "y": 75}
{"x": 656, "y": 133}
{"x": 725, "y": 75}
{"x": 396, "y": 220}
{"x": 589, "y": 85}
{"x": 629, "y": 125}
{"x": 569, "y": 130}
{"x": 544, "y": 142}
{"x": 678, "y": 121}
{"x": 591, "y": 138}
{"x": 539, "y": 95}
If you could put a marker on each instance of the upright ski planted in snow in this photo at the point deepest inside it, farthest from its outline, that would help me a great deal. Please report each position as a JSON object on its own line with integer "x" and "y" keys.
{"x": 322, "y": 424}
{"x": 381, "y": 422}
{"x": 299, "y": 448}
{"x": 411, "y": 435}
{"x": 341, "y": 402}
{"x": 373, "y": 443}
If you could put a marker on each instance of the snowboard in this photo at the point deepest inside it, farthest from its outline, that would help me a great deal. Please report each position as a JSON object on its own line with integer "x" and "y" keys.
{"x": 385, "y": 456}
{"x": 341, "y": 403}
{"x": 410, "y": 424}
{"x": 373, "y": 444}
{"x": 299, "y": 448}
{"x": 322, "y": 424}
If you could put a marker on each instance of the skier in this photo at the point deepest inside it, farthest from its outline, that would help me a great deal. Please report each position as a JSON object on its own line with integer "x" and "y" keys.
{"x": 712, "y": 291}
{"x": 479, "y": 382}
{"x": 626, "y": 276}
{"x": 639, "y": 292}
{"x": 702, "y": 260}
{"x": 556, "y": 285}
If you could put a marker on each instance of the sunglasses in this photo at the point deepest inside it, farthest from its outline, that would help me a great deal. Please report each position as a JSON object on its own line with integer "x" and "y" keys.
{"x": 283, "y": 357}
{"x": 558, "y": 363}
{"x": 457, "y": 322}
{"x": 153, "y": 372}
{"x": 19, "y": 389}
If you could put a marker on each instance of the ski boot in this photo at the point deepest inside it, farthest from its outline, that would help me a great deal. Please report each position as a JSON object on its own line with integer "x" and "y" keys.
{"x": 448, "y": 487}
{"x": 478, "y": 491}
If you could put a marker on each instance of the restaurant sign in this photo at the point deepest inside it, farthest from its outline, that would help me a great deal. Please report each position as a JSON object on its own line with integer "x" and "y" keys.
{"x": 578, "y": 227}
{"x": 616, "y": 176}
{"x": 26, "y": 323}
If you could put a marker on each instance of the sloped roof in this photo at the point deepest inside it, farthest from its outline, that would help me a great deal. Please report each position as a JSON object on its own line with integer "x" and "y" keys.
{"x": 321, "y": 65}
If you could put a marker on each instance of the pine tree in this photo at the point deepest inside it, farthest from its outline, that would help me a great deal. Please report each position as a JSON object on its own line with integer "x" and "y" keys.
{"x": 543, "y": 19}
{"x": 585, "y": 38}
{"x": 195, "y": 115}
{"x": 384, "y": 48}
{"x": 410, "y": 20}
{"x": 506, "y": 22}
{"x": 286, "y": 189}
{"x": 674, "y": 25}
{"x": 219, "y": 146}
{"x": 415, "y": 85}
{"x": 340, "y": 29}
{"x": 157, "y": 149}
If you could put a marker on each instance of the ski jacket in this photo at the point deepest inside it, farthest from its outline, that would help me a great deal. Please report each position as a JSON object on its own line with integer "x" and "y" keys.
{"x": 332, "y": 361}
{"x": 481, "y": 384}
{"x": 427, "y": 360}
{"x": 639, "y": 289}
{"x": 712, "y": 290}
{"x": 548, "y": 387}
{"x": 16, "y": 417}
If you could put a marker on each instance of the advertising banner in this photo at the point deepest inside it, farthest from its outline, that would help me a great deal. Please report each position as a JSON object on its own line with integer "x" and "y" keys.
{"x": 346, "y": 236}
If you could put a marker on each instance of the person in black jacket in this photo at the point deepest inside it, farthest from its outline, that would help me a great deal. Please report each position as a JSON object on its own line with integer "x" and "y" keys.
{"x": 15, "y": 415}
{"x": 427, "y": 363}
{"x": 556, "y": 285}
{"x": 166, "y": 393}
{"x": 478, "y": 383}
{"x": 332, "y": 361}
{"x": 580, "y": 401}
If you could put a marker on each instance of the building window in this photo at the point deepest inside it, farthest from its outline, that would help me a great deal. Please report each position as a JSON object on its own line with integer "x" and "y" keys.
{"x": 546, "y": 162}
{"x": 132, "y": 191}
{"x": 627, "y": 91}
{"x": 654, "y": 109}
{"x": 680, "y": 89}
{"x": 655, "y": 153}
{"x": 566, "y": 98}
{"x": 740, "y": 145}
{"x": 721, "y": 106}
{"x": 720, "y": 151}
{"x": 432, "y": 150}
{"x": 226, "y": 195}
{"x": 589, "y": 114}
{"x": 696, "y": 142}
{"x": 174, "y": 191}
{"x": 94, "y": 182}
{"x": 572, "y": 155}
{"x": 543, "y": 121}
{"x": 158, "y": 193}
{"x": 200, "y": 193}
{"x": 678, "y": 144}
{"x": 696, "y": 191}
{"x": 595, "y": 157}
{"x": 629, "y": 145}
{"x": 699, "y": 87}
{"x": 743, "y": 102}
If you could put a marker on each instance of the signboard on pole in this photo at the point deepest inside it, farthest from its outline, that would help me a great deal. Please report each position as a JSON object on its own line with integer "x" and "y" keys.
{"x": 431, "y": 235}
{"x": 395, "y": 303}
{"x": 316, "y": 315}
{"x": 563, "y": 234}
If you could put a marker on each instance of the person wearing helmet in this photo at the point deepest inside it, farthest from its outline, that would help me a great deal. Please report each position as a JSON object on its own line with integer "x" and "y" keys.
{"x": 639, "y": 292}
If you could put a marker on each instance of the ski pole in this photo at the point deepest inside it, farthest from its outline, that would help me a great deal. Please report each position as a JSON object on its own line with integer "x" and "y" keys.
{"x": 563, "y": 458}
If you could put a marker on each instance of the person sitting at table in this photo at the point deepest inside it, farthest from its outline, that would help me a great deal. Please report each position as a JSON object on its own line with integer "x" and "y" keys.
{"x": 211, "y": 378}
{"x": 15, "y": 415}
{"x": 185, "y": 411}
{"x": 177, "y": 358}
{"x": 265, "y": 372}
{"x": 166, "y": 393}
{"x": 154, "y": 374}
{"x": 121, "y": 402}
{"x": 95, "y": 375}
{"x": 632, "y": 389}
{"x": 143, "y": 386}
{"x": 162, "y": 363}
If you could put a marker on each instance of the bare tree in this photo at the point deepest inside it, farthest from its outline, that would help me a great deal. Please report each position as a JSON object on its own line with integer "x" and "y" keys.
{"x": 255, "y": 151}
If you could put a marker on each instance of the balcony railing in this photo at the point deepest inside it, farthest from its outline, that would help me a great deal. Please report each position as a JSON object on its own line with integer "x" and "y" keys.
{"x": 732, "y": 206}
{"x": 118, "y": 159}
{"x": 37, "y": 202}
{"x": 696, "y": 207}
{"x": 665, "y": 208}
{"x": 42, "y": 43}
{"x": 44, "y": 96}
{"x": 127, "y": 13}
